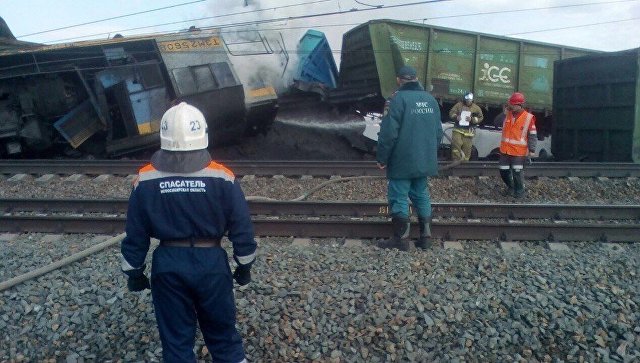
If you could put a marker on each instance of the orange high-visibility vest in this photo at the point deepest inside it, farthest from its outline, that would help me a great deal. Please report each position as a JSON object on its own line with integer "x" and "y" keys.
{"x": 515, "y": 133}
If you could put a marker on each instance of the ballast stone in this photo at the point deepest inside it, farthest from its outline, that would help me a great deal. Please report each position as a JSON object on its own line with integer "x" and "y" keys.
{"x": 45, "y": 178}
{"x": 301, "y": 242}
{"x": 453, "y": 245}
{"x": 18, "y": 178}
{"x": 102, "y": 178}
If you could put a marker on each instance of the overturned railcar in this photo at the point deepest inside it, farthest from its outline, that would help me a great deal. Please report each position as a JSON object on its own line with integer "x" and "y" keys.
{"x": 449, "y": 62}
{"x": 597, "y": 108}
{"x": 106, "y": 98}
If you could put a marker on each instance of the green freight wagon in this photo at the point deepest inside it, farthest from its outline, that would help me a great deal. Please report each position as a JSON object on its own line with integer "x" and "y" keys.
{"x": 597, "y": 108}
{"x": 449, "y": 62}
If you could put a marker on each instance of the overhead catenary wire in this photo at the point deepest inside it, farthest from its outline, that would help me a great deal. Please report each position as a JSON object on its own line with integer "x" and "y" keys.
{"x": 263, "y": 21}
{"x": 347, "y": 11}
{"x": 523, "y": 10}
{"x": 257, "y": 23}
{"x": 575, "y": 26}
{"x": 196, "y": 19}
{"x": 541, "y": 53}
{"x": 81, "y": 49}
{"x": 373, "y": 6}
{"x": 110, "y": 18}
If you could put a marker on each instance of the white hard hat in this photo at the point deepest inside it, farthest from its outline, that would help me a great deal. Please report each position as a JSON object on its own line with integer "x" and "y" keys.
{"x": 468, "y": 96}
{"x": 183, "y": 128}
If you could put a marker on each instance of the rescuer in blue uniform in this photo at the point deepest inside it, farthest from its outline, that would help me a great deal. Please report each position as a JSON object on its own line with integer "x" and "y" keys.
{"x": 188, "y": 202}
{"x": 410, "y": 133}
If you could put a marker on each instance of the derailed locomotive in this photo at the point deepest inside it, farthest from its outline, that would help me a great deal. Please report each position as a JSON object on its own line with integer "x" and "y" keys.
{"x": 106, "y": 98}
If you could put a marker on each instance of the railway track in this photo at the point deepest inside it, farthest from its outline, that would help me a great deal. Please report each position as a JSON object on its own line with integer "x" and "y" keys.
{"x": 455, "y": 221}
{"x": 319, "y": 168}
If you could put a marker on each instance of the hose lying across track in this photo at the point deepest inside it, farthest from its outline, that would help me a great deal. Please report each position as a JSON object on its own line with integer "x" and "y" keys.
{"x": 61, "y": 263}
{"x": 112, "y": 241}
{"x": 304, "y": 196}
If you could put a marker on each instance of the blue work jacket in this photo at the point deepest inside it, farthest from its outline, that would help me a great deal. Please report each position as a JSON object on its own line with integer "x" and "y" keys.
{"x": 410, "y": 134}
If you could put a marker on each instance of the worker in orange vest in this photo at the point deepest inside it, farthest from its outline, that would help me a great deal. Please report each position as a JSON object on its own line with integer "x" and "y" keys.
{"x": 519, "y": 138}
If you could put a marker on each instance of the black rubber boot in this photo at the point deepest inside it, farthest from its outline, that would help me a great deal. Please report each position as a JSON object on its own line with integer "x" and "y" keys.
{"x": 518, "y": 184}
{"x": 425, "y": 241}
{"x": 507, "y": 178}
{"x": 400, "y": 233}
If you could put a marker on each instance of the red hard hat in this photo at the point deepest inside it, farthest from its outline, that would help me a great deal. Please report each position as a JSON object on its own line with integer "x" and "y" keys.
{"x": 516, "y": 99}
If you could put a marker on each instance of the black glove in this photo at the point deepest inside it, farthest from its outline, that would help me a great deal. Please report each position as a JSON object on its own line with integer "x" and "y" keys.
{"x": 138, "y": 283}
{"x": 242, "y": 274}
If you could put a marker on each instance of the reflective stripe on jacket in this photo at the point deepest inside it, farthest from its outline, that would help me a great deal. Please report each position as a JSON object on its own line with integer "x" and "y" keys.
{"x": 207, "y": 203}
{"x": 515, "y": 133}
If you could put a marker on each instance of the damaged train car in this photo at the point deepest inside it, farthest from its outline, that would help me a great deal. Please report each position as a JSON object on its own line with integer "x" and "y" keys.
{"x": 106, "y": 98}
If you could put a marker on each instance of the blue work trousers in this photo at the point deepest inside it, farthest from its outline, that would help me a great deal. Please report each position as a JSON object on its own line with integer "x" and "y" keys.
{"x": 400, "y": 191}
{"x": 193, "y": 285}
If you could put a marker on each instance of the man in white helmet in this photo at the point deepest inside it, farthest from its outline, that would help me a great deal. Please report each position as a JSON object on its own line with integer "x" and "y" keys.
{"x": 189, "y": 202}
{"x": 466, "y": 115}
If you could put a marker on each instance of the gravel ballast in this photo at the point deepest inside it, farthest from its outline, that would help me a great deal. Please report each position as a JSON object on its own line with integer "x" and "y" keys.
{"x": 324, "y": 302}
{"x": 327, "y": 303}
{"x": 442, "y": 189}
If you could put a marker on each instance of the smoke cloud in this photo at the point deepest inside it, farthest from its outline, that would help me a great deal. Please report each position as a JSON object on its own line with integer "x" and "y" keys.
{"x": 261, "y": 54}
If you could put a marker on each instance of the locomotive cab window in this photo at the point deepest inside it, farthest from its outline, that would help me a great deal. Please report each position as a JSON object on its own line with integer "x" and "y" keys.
{"x": 223, "y": 74}
{"x": 203, "y": 78}
{"x": 184, "y": 80}
{"x": 195, "y": 79}
{"x": 150, "y": 75}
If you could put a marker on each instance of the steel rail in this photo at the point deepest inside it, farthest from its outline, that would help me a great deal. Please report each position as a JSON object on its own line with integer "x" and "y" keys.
{"x": 353, "y": 209}
{"x": 318, "y": 168}
{"x": 342, "y": 228}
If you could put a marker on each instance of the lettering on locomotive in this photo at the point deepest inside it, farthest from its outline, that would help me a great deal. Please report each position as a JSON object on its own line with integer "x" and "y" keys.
{"x": 189, "y": 44}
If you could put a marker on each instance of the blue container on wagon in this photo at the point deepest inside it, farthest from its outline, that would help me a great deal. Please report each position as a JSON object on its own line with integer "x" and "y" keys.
{"x": 317, "y": 65}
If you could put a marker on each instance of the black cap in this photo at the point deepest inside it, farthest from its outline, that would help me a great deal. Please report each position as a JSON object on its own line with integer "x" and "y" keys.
{"x": 407, "y": 72}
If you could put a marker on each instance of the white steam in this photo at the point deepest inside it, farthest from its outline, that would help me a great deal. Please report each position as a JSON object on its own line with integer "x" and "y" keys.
{"x": 262, "y": 55}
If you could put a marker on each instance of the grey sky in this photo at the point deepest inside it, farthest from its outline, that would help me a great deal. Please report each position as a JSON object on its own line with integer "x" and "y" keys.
{"x": 602, "y": 25}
